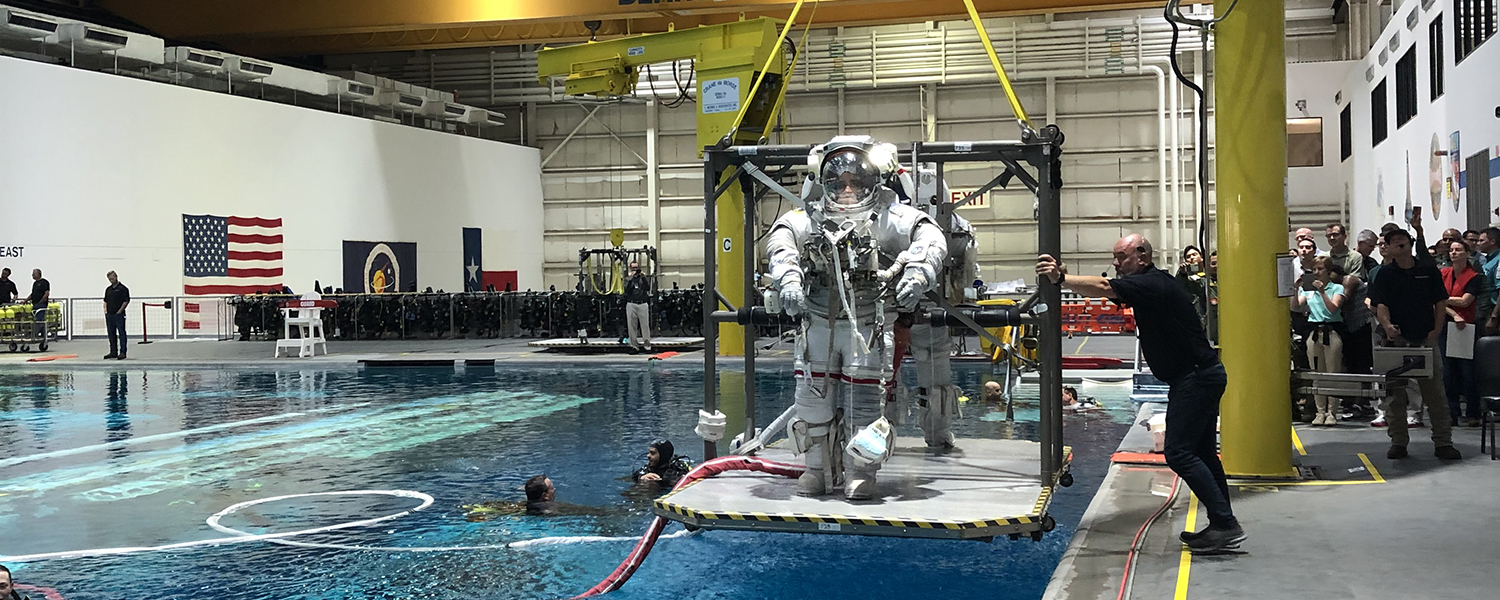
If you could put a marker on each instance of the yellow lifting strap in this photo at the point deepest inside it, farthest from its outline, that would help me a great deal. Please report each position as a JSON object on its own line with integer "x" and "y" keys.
{"x": 774, "y": 55}
{"x": 1010, "y": 93}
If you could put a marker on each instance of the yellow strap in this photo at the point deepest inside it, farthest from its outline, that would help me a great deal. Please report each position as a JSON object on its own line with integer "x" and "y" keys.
{"x": 1010, "y": 93}
{"x": 774, "y": 56}
{"x": 796, "y": 58}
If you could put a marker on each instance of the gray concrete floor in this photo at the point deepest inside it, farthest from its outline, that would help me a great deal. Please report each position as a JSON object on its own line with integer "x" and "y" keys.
{"x": 1423, "y": 528}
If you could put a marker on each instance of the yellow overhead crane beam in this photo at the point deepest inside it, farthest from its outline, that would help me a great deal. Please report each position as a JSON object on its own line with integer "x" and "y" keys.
{"x": 733, "y": 61}
{"x": 268, "y": 28}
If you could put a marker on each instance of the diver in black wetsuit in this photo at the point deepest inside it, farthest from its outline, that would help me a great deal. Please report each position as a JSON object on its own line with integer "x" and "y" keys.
{"x": 663, "y": 467}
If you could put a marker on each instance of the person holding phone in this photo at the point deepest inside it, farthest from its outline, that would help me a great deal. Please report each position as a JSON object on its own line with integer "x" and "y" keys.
{"x": 1323, "y": 297}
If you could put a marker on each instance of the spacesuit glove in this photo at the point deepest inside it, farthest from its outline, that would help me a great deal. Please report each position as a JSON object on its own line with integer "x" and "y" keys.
{"x": 910, "y": 289}
{"x": 793, "y": 302}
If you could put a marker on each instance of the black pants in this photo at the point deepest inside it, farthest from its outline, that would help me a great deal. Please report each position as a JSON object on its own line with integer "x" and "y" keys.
{"x": 115, "y": 323}
{"x": 1192, "y": 445}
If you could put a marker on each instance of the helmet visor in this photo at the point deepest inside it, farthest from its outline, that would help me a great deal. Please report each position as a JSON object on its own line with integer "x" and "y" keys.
{"x": 849, "y": 177}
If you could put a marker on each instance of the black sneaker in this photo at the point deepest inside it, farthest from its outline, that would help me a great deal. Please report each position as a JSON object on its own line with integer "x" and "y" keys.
{"x": 121, "y": 357}
{"x": 110, "y": 356}
{"x": 1217, "y": 540}
{"x": 1396, "y": 451}
{"x": 1447, "y": 453}
{"x": 1189, "y": 537}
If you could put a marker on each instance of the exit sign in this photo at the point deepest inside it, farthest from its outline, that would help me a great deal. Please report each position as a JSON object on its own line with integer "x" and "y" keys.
{"x": 983, "y": 201}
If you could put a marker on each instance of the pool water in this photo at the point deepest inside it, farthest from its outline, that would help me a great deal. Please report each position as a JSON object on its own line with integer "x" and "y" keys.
{"x": 107, "y": 459}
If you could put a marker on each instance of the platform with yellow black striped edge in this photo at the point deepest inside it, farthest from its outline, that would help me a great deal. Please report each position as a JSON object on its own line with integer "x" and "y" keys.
{"x": 983, "y": 489}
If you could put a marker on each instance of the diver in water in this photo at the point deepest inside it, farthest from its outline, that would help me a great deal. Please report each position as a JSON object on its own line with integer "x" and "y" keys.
{"x": 1073, "y": 403}
{"x": 541, "y": 501}
{"x": 663, "y": 466}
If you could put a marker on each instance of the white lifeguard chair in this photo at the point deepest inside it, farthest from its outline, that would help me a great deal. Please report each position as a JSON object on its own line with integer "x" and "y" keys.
{"x": 306, "y": 316}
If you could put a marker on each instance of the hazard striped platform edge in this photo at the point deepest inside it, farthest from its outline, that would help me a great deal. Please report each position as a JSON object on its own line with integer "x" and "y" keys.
{"x": 1039, "y": 510}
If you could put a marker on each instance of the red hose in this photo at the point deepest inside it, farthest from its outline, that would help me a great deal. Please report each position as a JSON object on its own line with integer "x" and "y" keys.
{"x": 708, "y": 469}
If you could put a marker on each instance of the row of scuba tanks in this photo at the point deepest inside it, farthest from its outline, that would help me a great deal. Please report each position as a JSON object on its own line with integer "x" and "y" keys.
{"x": 434, "y": 315}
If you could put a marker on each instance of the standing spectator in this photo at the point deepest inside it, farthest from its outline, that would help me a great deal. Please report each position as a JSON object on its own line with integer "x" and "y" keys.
{"x": 1472, "y": 238}
{"x": 1440, "y": 249}
{"x": 8, "y": 292}
{"x": 116, "y": 298}
{"x": 1365, "y": 244}
{"x": 1304, "y": 233}
{"x": 1489, "y": 272}
{"x": 1359, "y": 336}
{"x": 1190, "y": 274}
{"x": 1350, "y": 261}
{"x": 1323, "y": 297}
{"x": 1462, "y": 284}
{"x": 41, "y": 293}
{"x": 1178, "y": 353}
{"x": 638, "y": 308}
{"x": 1411, "y": 304}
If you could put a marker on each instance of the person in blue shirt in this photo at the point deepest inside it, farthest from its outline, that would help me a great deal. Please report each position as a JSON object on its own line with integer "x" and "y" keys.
{"x": 1323, "y": 297}
{"x": 1489, "y": 274}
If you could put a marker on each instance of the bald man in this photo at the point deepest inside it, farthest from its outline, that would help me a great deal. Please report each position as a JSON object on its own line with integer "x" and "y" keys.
{"x": 1179, "y": 354}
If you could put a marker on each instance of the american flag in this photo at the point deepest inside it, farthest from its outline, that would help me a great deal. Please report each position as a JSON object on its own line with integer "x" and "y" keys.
{"x": 230, "y": 255}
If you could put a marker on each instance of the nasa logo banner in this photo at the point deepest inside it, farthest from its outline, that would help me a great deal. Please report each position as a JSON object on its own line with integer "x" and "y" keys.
{"x": 380, "y": 267}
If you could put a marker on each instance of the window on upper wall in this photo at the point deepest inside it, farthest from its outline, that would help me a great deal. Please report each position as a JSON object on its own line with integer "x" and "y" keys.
{"x": 1406, "y": 87}
{"x": 1378, "y": 118}
{"x": 1346, "y": 133}
{"x": 1304, "y": 142}
{"x": 1473, "y": 23}
{"x": 1435, "y": 57}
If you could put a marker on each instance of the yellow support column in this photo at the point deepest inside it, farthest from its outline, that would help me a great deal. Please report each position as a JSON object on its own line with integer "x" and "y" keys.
{"x": 1250, "y": 91}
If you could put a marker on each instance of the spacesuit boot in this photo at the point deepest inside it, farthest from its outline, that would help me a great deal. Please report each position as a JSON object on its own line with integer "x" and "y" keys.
{"x": 937, "y": 397}
{"x": 935, "y": 409}
{"x": 817, "y": 441}
{"x": 865, "y": 453}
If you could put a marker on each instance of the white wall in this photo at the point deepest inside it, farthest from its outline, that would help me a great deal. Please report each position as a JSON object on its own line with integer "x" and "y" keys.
{"x": 1377, "y": 175}
{"x": 1316, "y": 83}
{"x": 96, "y": 171}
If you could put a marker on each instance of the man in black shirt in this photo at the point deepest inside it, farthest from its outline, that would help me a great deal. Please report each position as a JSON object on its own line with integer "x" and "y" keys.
{"x": 1410, "y": 302}
{"x": 638, "y": 308}
{"x": 8, "y": 292}
{"x": 116, "y": 298}
{"x": 41, "y": 292}
{"x": 1179, "y": 354}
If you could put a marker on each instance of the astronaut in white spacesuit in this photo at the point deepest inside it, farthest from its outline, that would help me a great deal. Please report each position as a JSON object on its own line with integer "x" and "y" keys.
{"x": 846, "y": 264}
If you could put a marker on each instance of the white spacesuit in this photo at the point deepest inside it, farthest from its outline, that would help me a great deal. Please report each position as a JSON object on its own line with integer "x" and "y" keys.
{"x": 847, "y": 262}
{"x": 932, "y": 347}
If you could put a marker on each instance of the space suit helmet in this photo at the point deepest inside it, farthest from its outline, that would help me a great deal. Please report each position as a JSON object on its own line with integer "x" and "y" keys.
{"x": 851, "y": 172}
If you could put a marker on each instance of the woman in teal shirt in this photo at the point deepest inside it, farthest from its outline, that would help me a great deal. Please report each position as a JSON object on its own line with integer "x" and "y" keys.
{"x": 1323, "y": 297}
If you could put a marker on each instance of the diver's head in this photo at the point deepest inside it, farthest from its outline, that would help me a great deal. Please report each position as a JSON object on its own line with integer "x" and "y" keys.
{"x": 851, "y": 181}
{"x": 659, "y": 453}
{"x": 993, "y": 392}
{"x": 540, "y": 489}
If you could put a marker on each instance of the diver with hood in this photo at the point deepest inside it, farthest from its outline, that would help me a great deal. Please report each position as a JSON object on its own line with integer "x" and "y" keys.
{"x": 663, "y": 466}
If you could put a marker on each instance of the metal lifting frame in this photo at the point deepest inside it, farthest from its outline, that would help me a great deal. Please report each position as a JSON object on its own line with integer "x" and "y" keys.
{"x": 1040, "y": 152}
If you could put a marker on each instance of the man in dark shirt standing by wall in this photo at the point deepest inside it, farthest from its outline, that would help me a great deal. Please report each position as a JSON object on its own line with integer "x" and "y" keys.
{"x": 41, "y": 293}
{"x": 116, "y": 298}
{"x": 1179, "y": 354}
{"x": 8, "y": 292}
{"x": 1409, "y": 300}
{"x": 638, "y": 308}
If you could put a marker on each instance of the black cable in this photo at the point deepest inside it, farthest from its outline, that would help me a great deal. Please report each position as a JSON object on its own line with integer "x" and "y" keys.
{"x": 1201, "y": 149}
